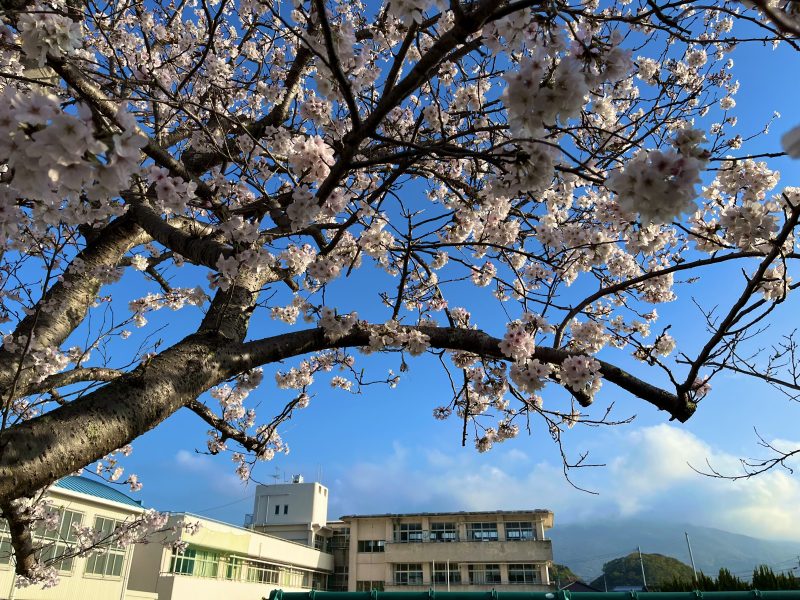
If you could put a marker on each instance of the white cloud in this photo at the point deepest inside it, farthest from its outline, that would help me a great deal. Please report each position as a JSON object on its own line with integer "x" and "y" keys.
{"x": 649, "y": 476}
{"x": 218, "y": 474}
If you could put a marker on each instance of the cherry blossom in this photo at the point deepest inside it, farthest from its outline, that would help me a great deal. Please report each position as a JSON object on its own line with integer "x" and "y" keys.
{"x": 503, "y": 189}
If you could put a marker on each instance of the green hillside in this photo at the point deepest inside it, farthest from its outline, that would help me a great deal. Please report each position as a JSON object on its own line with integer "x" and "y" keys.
{"x": 562, "y": 574}
{"x": 584, "y": 547}
{"x": 627, "y": 571}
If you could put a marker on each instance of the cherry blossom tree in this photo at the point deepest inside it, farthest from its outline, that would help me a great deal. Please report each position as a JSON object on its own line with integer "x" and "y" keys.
{"x": 242, "y": 163}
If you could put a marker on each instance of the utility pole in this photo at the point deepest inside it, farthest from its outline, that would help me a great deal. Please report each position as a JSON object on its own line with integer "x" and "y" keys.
{"x": 691, "y": 556}
{"x": 641, "y": 563}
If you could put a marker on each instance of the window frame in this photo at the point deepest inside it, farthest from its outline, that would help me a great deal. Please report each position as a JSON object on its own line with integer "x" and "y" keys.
{"x": 60, "y": 541}
{"x": 365, "y": 585}
{"x": 525, "y": 529}
{"x": 440, "y": 572}
{"x": 6, "y": 551}
{"x": 525, "y": 569}
{"x": 408, "y": 533}
{"x": 371, "y": 546}
{"x": 484, "y": 574}
{"x": 408, "y": 574}
{"x": 483, "y": 531}
{"x": 207, "y": 560}
{"x": 445, "y": 531}
{"x": 110, "y": 556}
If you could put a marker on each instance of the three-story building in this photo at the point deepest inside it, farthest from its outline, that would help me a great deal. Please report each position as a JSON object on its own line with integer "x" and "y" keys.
{"x": 463, "y": 551}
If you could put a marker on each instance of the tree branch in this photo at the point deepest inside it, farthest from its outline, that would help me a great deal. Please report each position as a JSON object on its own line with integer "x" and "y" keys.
{"x": 90, "y": 427}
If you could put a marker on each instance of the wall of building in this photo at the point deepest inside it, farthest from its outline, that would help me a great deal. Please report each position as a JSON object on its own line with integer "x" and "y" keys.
{"x": 76, "y": 583}
{"x": 180, "y": 587}
{"x": 228, "y": 544}
{"x": 296, "y": 503}
{"x": 146, "y": 564}
{"x": 377, "y": 545}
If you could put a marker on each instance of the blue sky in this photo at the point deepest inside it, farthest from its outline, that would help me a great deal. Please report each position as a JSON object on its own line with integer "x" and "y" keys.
{"x": 382, "y": 451}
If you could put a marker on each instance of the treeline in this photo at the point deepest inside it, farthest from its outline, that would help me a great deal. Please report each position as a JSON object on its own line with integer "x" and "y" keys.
{"x": 764, "y": 578}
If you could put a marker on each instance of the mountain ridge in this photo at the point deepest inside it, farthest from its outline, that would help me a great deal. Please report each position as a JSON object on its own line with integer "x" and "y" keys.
{"x": 584, "y": 547}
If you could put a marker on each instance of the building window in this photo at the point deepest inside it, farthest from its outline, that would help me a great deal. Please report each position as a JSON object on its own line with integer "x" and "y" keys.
{"x": 233, "y": 568}
{"x": 408, "y": 574}
{"x": 319, "y": 581}
{"x": 444, "y": 532}
{"x": 442, "y": 575}
{"x": 108, "y": 562}
{"x": 408, "y": 532}
{"x": 517, "y": 531}
{"x": 319, "y": 542}
{"x": 192, "y": 561}
{"x": 60, "y": 541}
{"x": 368, "y": 586}
{"x": 295, "y": 578}
{"x": 277, "y": 509}
{"x": 340, "y": 579}
{"x": 484, "y": 574}
{"x": 257, "y": 572}
{"x": 371, "y": 545}
{"x": 482, "y": 532}
{"x": 523, "y": 574}
{"x": 5, "y": 543}
{"x": 341, "y": 538}
{"x": 286, "y": 509}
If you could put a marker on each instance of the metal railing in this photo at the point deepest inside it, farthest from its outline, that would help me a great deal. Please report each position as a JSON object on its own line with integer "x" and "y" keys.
{"x": 560, "y": 595}
{"x": 444, "y": 536}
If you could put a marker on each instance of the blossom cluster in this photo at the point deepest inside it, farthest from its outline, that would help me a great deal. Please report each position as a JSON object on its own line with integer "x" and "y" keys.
{"x": 175, "y": 299}
{"x": 336, "y": 326}
{"x": 46, "y": 30}
{"x": 311, "y": 159}
{"x": 581, "y": 374}
{"x": 660, "y": 186}
{"x": 393, "y": 335}
{"x": 56, "y": 157}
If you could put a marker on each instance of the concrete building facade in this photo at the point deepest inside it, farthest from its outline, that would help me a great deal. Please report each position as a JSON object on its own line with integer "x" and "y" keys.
{"x": 225, "y": 561}
{"x": 463, "y": 551}
{"x": 295, "y": 511}
{"x": 288, "y": 544}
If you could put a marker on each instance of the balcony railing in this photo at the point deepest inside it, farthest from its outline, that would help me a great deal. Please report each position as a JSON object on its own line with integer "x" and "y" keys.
{"x": 426, "y": 536}
{"x": 475, "y": 580}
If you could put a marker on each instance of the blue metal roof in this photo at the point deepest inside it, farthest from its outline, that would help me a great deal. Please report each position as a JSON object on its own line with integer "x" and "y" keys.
{"x": 84, "y": 485}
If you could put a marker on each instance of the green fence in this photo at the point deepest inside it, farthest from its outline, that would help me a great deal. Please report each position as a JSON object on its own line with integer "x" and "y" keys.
{"x": 562, "y": 595}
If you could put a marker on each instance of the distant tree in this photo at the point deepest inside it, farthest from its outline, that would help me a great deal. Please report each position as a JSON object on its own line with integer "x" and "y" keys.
{"x": 705, "y": 583}
{"x": 562, "y": 574}
{"x": 728, "y": 582}
{"x": 660, "y": 571}
{"x": 764, "y": 578}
